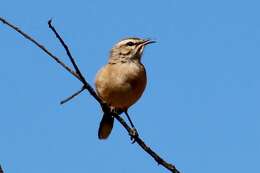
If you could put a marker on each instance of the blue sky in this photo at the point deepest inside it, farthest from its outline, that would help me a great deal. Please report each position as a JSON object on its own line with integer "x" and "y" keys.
{"x": 200, "y": 109}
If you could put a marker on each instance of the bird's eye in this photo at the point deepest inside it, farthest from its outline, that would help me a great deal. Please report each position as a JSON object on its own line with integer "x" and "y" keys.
{"x": 130, "y": 43}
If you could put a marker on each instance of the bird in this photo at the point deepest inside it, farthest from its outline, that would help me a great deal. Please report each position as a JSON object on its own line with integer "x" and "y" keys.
{"x": 122, "y": 81}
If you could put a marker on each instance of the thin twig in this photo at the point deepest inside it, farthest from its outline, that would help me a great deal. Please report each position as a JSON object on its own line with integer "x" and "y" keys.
{"x": 105, "y": 107}
{"x": 1, "y": 170}
{"x": 72, "y": 96}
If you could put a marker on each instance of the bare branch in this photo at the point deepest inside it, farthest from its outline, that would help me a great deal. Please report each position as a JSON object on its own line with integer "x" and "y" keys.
{"x": 86, "y": 85}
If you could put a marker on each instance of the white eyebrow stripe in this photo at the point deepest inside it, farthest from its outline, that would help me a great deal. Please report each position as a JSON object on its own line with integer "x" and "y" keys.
{"x": 124, "y": 41}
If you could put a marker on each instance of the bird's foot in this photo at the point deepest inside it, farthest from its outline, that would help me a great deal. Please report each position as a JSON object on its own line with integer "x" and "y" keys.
{"x": 134, "y": 134}
{"x": 115, "y": 110}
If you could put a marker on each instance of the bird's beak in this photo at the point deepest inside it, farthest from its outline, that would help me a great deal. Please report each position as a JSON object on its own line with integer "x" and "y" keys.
{"x": 148, "y": 41}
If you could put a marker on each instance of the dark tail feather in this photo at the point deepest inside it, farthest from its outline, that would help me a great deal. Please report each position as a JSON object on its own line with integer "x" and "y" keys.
{"x": 105, "y": 126}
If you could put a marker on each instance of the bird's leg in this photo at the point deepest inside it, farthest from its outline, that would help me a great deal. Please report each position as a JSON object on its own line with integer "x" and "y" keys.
{"x": 129, "y": 119}
{"x": 133, "y": 132}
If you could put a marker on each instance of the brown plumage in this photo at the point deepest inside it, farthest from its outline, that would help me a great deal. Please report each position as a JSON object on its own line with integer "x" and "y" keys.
{"x": 121, "y": 82}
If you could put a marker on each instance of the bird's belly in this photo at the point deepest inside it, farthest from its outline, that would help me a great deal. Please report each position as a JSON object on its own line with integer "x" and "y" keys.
{"x": 125, "y": 95}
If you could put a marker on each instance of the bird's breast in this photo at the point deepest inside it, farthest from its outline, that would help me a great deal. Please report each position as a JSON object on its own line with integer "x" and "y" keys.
{"x": 121, "y": 84}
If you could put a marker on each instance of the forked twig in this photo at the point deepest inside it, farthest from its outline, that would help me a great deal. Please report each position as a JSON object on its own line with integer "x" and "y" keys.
{"x": 86, "y": 85}
{"x": 81, "y": 77}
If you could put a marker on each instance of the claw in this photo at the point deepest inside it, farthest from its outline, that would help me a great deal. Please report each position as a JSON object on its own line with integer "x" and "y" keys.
{"x": 134, "y": 134}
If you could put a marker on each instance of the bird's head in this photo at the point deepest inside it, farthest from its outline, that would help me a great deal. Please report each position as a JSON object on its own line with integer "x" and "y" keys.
{"x": 129, "y": 49}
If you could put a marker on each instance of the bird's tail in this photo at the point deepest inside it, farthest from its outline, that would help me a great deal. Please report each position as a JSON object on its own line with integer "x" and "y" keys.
{"x": 105, "y": 126}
